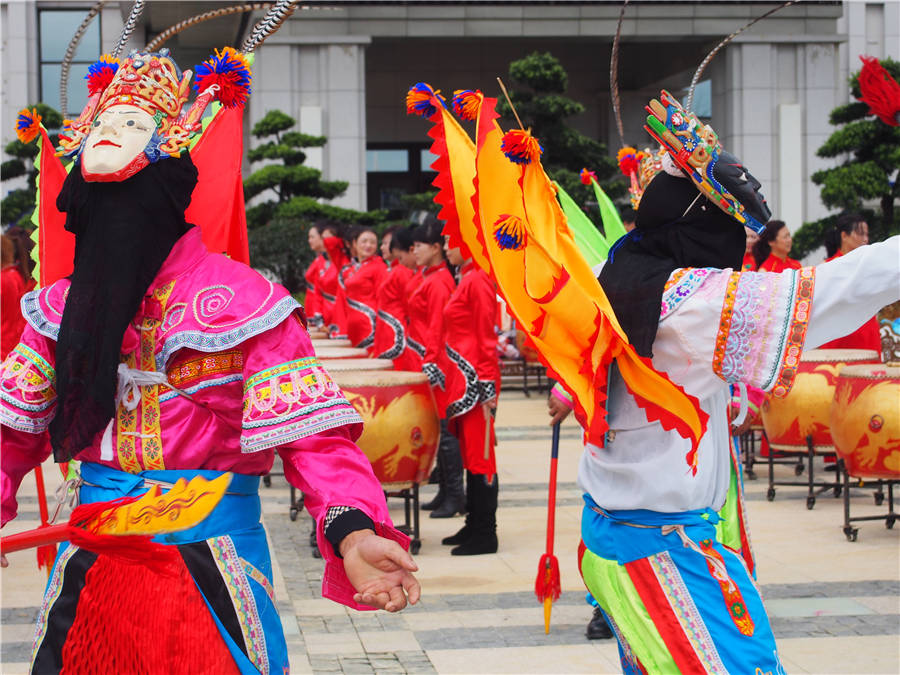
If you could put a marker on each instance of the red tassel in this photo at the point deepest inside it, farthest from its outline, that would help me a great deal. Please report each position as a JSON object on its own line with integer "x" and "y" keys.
{"x": 587, "y": 176}
{"x": 547, "y": 584}
{"x": 879, "y": 91}
{"x": 85, "y": 521}
{"x": 520, "y": 146}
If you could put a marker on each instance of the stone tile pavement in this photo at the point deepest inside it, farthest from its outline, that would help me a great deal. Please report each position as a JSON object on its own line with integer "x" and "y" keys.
{"x": 834, "y": 605}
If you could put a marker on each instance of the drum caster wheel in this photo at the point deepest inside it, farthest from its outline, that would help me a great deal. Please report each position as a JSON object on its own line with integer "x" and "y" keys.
{"x": 751, "y": 475}
{"x": 415, "y": 546}
{"x": 879, "y": 498}
{"x": 770, "y": 494}
{"x": 294, "y": 513}
{"x": 267, "y": 480}
{"x": 889, "y": 522}
{"x": 851, "y": 533}
{"x": 837, "y": 490}
{"x": 810, "y": 503}
{"x": 798, "y": 469}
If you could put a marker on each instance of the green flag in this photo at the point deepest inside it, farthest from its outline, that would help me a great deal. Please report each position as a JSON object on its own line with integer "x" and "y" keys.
{"x": 613, "y": 229}
{"x": 587, "y": 237}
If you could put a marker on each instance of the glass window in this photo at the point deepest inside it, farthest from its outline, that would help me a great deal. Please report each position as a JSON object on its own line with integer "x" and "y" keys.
{"x": 426, "y": 159}
{"x": 57, "y": 27}
{"x": 387, "y": 160}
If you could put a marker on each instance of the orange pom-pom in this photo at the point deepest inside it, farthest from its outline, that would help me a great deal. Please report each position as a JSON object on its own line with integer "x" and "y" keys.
{"x": 418, "y": 100}
{"x": 521, "y": 147}
{"x": 509, "y": 233}
{"x": 28, "y": 125}
{"x": 466, "y": 103}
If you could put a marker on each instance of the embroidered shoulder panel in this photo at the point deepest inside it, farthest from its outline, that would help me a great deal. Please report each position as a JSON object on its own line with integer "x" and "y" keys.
{"x": 681, "y": 285}
{"x": 43, "y": 308}
{"x": 27, "y": 391}
{"x": 291, "y": 401}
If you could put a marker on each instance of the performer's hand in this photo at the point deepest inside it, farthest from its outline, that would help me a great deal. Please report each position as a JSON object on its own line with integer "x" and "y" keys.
{"x": 380, "y": 570}
{"x": 557, "y": 409}
{"x": 3, "y": 561}
{"x": 490, "y": 405}
{"x": 743, "y": 428}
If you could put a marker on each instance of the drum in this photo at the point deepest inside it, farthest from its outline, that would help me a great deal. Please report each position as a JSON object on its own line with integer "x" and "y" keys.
{"x": 334, "y": 365}
{"x": 865, "y": 420}
{"x": 805, "y": 410}
{"x": 318, "y": 333}
{"x": 329, "y": 353}
{"x": 328, "y": 342}
{"x": 402, "y": 428}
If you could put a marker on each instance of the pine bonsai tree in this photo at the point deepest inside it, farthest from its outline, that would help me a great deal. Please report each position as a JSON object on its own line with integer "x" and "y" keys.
{"x": 866, "y": 177}
{"x": 538, "y": 87}
{"x": 18, "y": 205}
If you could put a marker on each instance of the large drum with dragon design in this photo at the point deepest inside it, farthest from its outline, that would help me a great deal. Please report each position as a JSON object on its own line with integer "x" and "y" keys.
{"x": 318, "y": 333}
{"x": 865, "y": 420}
{"x": 806, "y": 409}
{"x": 334, "y": 365}
{"x": 402, "y": 428}
{"x": 329, "y": 353}
{"x": 330, "y": 342}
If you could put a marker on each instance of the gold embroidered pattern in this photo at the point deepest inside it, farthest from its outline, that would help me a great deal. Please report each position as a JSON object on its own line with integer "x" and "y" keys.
{"x": 126, "y": 430}
{"x": 196, "y": 369}
{"x": 151, "y": 434}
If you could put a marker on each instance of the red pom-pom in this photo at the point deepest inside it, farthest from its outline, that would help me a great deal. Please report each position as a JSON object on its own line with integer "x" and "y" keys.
{"x": 466, "y": 103}
{"x": 521, "y": 147}
{"x": 879, "y": 91}
{"x": 587, "y": 176}
{"x": 101, "y": 73}
{"x": 28, "y": 125}
{"x": 629, "y": 160}
{"x": 230, "y": 71}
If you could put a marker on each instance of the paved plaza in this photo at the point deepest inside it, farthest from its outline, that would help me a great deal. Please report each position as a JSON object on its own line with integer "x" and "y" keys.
{"x": 834, "y": 605}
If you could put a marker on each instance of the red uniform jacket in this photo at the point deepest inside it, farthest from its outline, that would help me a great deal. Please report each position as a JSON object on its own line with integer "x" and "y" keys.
{"x": 469, "y": 363}
{"x": 313, "y": 305}
{"x": 361, "y": 282}
{"x": 776, "y": 264}
{"x": 867, "y": 336}
{"x": 426, "y": 312}
{"x": 390, "y": 323}
{"x": 340, "y": 261}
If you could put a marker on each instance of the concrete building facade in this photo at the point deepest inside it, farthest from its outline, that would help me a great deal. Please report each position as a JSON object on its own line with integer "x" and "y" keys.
{"x": 342, "y": 70}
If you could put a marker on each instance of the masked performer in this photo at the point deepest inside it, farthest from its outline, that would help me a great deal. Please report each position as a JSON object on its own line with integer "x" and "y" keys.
{"x": 390, "y": 327}
{"x": 157, "y": 360}
{"x": 468, "y": 398}
{"x": 678, "y": 600}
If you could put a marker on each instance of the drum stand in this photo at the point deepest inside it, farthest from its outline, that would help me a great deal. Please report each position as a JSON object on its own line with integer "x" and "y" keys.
{"x": 410, "y": 497}
{"x": 889, "y": 518}
{"x": 814, "y": 487}
{"x": 748, "y": 452}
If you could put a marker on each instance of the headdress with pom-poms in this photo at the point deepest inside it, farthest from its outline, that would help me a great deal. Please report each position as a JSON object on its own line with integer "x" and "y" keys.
{"x": 466, "y": 103}
{"x": 154, "y": 83}
{"x": 418, "y": 100}
{"x": 520, "y": 146}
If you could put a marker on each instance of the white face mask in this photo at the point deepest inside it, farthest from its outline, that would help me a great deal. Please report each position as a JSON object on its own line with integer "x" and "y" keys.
{"x": 117, "y": 136}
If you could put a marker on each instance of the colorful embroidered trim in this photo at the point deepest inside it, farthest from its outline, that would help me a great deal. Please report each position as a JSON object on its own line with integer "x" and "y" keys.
{"x": 245, "y": 608}
{"x": 198, "y": 369}
{"x": 725, "y": 322}
{"x": 682, "y": 604}
{"x": 253, "y": 440}
{"x": 259, "y": 578}
{"x": 737, "y": 608}
{"x": 681, "y": 285}
{"x": 215, "y": 382}
{"x": 796, "y": 336}
{"x": 54, "y": 588}
{"x": 126, "y": 432}
{"x": 27, "y": 390}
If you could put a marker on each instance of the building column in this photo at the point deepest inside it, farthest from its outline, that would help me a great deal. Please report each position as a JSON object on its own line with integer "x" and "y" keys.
{"x": 321, "y": 82}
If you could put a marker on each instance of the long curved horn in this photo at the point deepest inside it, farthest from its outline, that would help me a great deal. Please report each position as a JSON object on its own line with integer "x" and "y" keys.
{"x": 614, "y": 76}
{"x": 70, "y": 54}
{"x": 173, "y": 30}
{"x": 128, "y": 28}
{"x": 270, "y": 23}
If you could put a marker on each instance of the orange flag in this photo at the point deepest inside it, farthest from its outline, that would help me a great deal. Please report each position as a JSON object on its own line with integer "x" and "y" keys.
{"x": 455, "y": 166}
{"x": 553, "y": 293}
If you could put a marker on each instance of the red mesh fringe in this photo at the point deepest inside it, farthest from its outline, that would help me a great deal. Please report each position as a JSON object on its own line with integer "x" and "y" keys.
{"x": 879, "y": 91}
{"x": 134, "y": 620}
{"x": 547, "y": 583}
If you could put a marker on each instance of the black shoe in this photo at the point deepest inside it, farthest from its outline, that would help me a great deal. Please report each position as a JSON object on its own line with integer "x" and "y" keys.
{"x": 477, "y": 544}
{"x": 459, "y": 538}
{"x": 434, "y": 503}
{"x": 449, "y": 508}
{"x": 597, "y": 628}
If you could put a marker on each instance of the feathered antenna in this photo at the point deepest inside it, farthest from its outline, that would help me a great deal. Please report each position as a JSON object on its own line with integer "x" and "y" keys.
{"x": 128, "y": 28}
{"x": 270, "y": 23}
{"x": 70, "y": 54}
{"x": 175, "y": 29}
{"x": 614, "y": 75}
{"x": 709, "y": 57}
